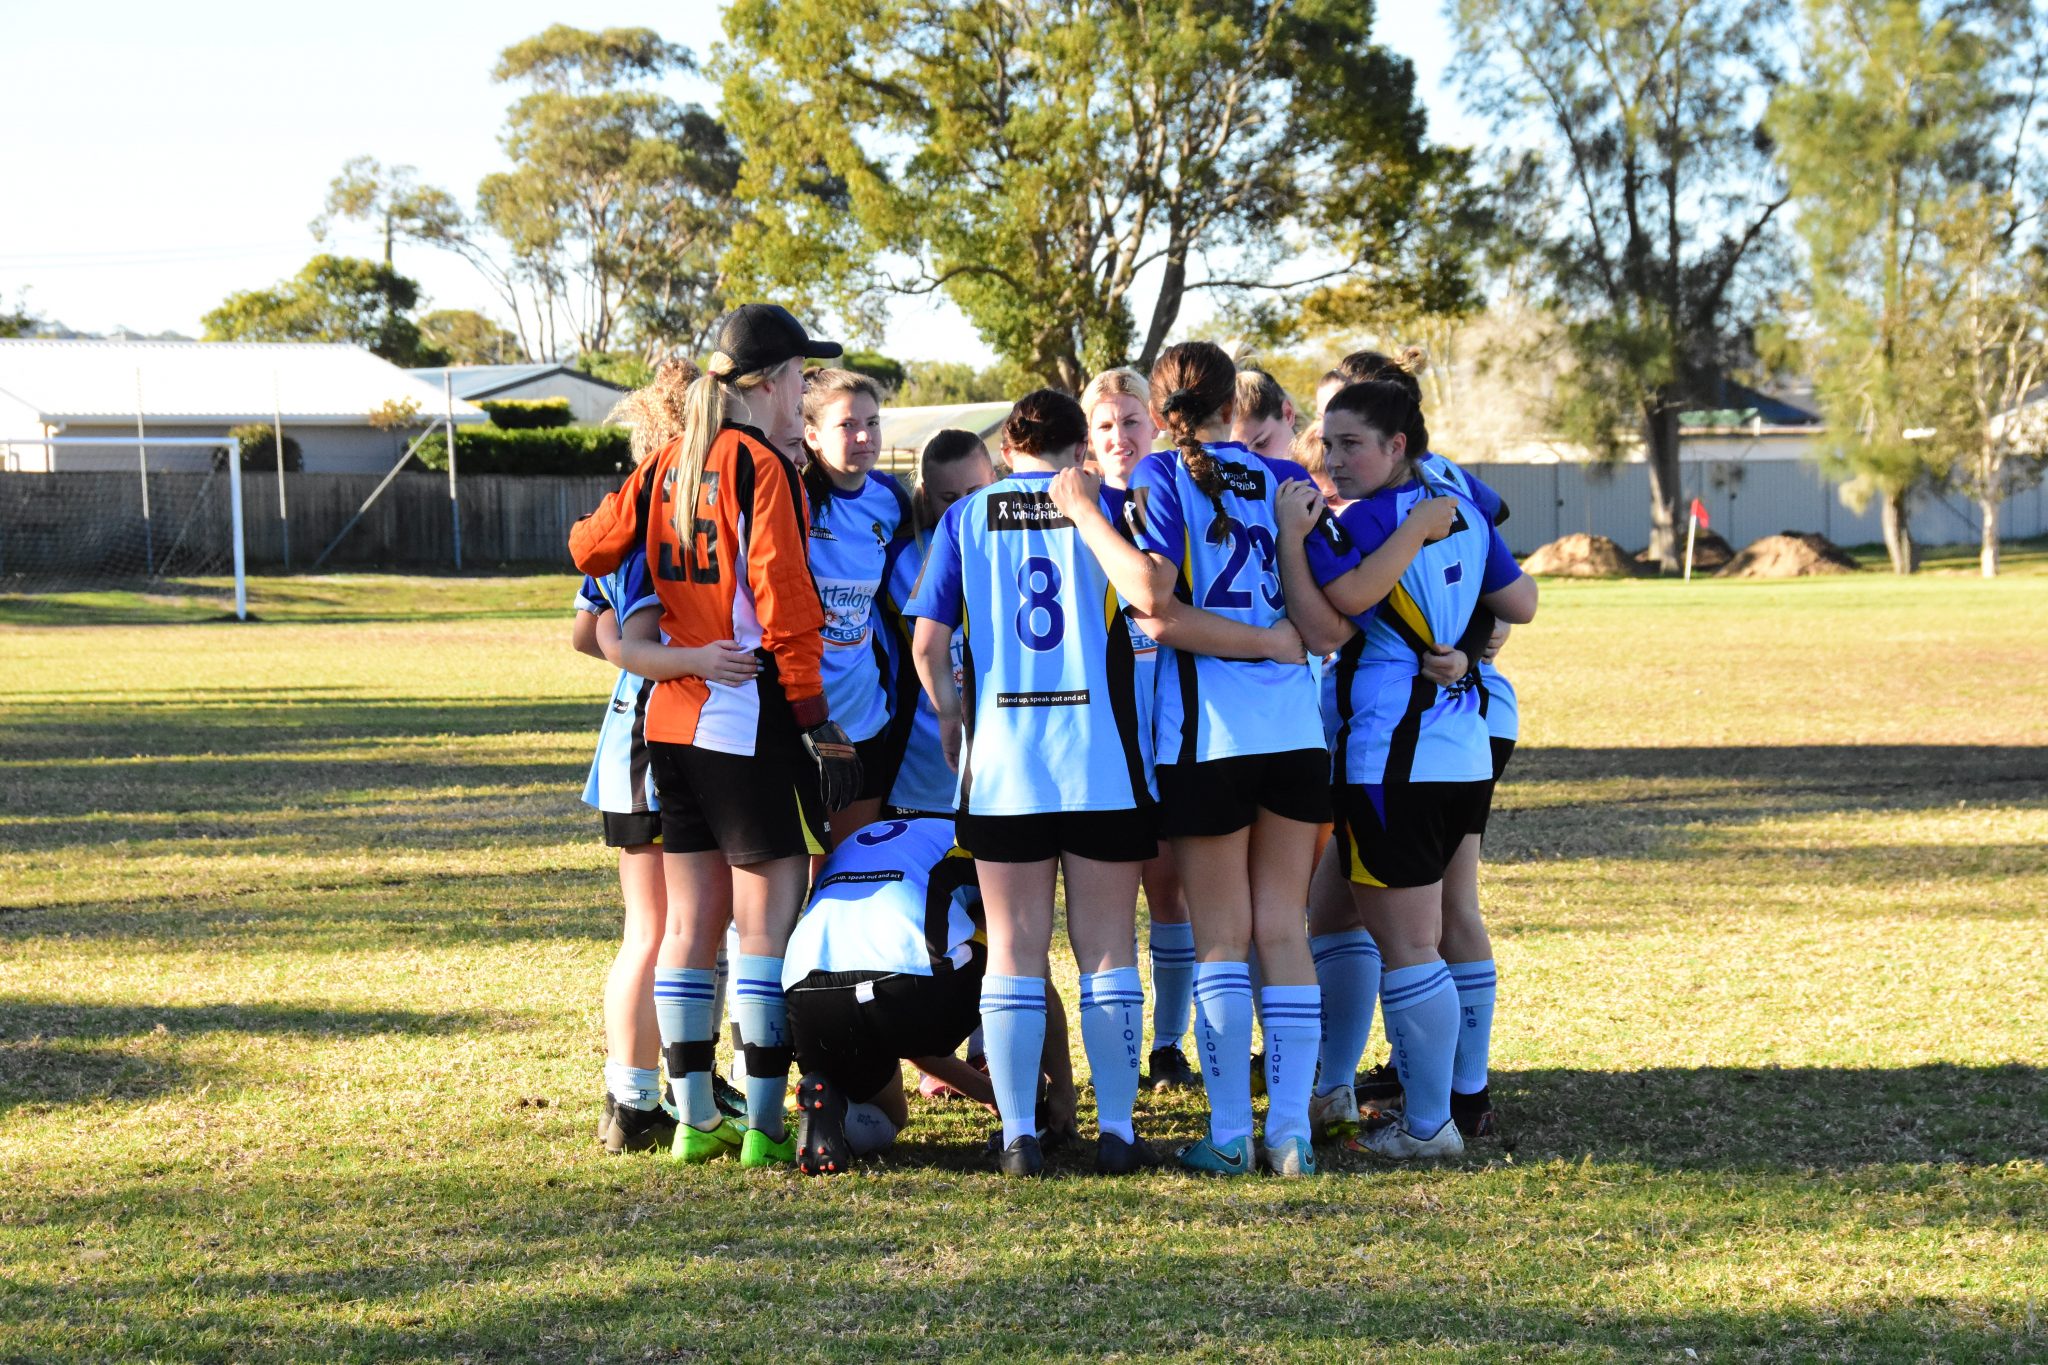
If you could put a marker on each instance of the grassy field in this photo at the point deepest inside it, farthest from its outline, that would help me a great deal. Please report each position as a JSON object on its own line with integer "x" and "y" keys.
{"x": 301, "y": 933}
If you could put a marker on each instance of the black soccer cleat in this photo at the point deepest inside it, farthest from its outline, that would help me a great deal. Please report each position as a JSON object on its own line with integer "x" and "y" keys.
{"x": 1378, "y": 1085}
{"x": 1474, "y": 1114}
{"x": 639, "y": 1130}
{"x": 821, "y": 1146}
{"x": 1021, "y": 1158}
{"x": 1114, "y": 1156}
{"x": 730, "y": 1099}
{"x": 1167, "y": 1069}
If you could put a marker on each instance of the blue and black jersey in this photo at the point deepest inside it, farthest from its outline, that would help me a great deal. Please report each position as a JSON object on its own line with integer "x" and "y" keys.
{"x": 1393, "y": 724}
{"x": 1049, "y": 700}
{"x": 1226, "y": 549}
{"x": 852, "y": 535}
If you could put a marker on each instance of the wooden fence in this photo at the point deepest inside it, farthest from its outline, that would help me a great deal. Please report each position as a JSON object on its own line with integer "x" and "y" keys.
{"x": 88, "y": 525}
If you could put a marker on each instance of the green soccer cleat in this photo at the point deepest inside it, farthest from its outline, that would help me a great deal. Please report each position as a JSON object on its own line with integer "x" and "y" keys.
{"x": 1334, "y": 1115}
{"x": 758, "y": 1150}
{"x": 1211, "y": 1158}
{"x": 694, "y": 1145}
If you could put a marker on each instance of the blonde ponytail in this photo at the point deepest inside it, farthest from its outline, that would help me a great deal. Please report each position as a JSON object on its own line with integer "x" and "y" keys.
{"x": 705, "y": 409}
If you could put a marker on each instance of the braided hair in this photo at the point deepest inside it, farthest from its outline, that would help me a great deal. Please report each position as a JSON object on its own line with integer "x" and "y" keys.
{"x": 1192, "y": 384}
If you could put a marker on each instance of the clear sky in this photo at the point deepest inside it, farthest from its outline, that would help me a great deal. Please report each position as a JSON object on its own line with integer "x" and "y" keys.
{"x": 155, "y": 158}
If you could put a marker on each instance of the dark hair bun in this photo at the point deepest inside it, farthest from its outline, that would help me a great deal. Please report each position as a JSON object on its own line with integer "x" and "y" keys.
{"x": 1043, "y": 421}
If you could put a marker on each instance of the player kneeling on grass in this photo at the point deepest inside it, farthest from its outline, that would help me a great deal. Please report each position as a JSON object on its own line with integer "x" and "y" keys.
{"x": 1406, "y": 566}
{"x": 886, "y": 965}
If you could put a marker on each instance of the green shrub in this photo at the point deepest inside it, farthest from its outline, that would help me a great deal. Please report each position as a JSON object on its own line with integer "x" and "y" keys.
{"x": 527, "y": 414}
{"x": 876, "y": 366}
{"x": 627, "y": 369}
{"x": 549, "y": 450}
{"x": 259, "y": 449}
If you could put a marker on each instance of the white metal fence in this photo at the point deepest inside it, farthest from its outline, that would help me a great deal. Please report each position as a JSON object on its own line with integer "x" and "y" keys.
{"x": 1745, "y": 499}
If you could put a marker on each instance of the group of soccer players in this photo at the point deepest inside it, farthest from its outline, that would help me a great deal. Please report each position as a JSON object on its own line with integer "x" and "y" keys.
{"x": 1260, "y": 690}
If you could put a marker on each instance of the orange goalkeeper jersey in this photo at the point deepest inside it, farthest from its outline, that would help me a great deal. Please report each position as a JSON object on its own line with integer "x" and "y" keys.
{"x": 744, "y": 575}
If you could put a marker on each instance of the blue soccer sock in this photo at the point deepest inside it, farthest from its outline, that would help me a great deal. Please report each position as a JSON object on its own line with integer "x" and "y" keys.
{"x": 1476, "y": 983}
{"x": 682, "y": 1011}
{"x": 1258, "y": 980}
{"x": 1348, "y": 970}
{"x": 1223, "y": 1030}
{"x": 724, "y": 988}
{"x": 636, "y": 1087}
{"x": 763, "y": 1021}
{"x": 1173, "y": 981}
{"x": 1013, "y": 1024}
{"x": 1294, "y": 1026}
{"x": 1113, "y": 1034}
{"x": 1421, "y": 1006}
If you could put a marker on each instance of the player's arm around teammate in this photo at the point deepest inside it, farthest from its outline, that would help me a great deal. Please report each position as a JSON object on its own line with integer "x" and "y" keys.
{"x": 1121, "y": 433}
{"x": 1412, "y": 761}
{"x": 742, "y": 772}
{"x": 1242, "y": 770}
{"x": 1053, "y": 772}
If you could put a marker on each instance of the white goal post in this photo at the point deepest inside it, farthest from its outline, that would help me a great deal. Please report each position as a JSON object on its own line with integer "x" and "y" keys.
{"x": 142, "y": 445}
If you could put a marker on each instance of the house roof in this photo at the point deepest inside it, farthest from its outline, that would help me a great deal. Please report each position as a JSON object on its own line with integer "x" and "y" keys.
{"x": 908, "y": 429}
{"x": 210, "y": 383}
{"x": 482, "y": 381}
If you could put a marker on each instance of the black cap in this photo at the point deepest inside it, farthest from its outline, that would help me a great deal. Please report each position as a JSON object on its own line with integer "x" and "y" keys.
{"x": 760, "y": 336}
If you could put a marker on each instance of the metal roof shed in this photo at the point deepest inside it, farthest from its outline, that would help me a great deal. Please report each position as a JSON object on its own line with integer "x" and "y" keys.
{"x": 324, "y": 392}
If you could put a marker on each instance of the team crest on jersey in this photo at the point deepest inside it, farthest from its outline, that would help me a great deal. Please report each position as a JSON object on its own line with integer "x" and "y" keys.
{"x": 1019, "y": 511}
{"x": 881, "y": 536}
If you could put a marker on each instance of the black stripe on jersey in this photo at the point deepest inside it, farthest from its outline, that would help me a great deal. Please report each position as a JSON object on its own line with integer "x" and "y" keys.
{"x": 966, "y": 722}
{"x": 637, "y": 750}
{"x": 1190, "y": 683}
{"x": 1122, "y": 666}
{"x": 901, "y": 688}
{"x": 1407, "y": 730}
{"x": 952, "y": 873}
{"x": 1347, "y": 674}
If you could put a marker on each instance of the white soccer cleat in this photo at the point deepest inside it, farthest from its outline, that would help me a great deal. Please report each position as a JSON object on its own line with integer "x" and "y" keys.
{"x": 1334, "y": 1114}
{"x": 1288, "y": 1157}
{"x": 1393, "y": 1142}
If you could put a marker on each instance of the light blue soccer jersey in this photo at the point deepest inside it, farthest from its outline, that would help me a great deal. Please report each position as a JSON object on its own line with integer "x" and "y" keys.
{"x": 923, "y": 780}
{"x": 1049, "y": 703}
{"x": 895, "y": 898}
{"x": 1396, "y": 725}
{"x": 619, "y": 779}
{"x": 1206, "y": 707}
{"x": 850, "y": 539}
{"x": 1503, "y": 710}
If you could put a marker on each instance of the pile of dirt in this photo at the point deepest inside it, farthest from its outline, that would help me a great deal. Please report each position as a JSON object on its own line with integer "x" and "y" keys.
{"x": 1789, "y": 554}
{"x": 1709, "y": 552}
{"x": 1580, "y": 556}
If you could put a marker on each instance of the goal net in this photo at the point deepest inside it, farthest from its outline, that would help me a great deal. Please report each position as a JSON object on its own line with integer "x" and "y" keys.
{"x": 103, "y": 530}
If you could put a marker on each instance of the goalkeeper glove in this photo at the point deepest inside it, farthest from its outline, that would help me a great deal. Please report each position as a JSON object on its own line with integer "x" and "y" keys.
{"x": 838, "y": 764}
